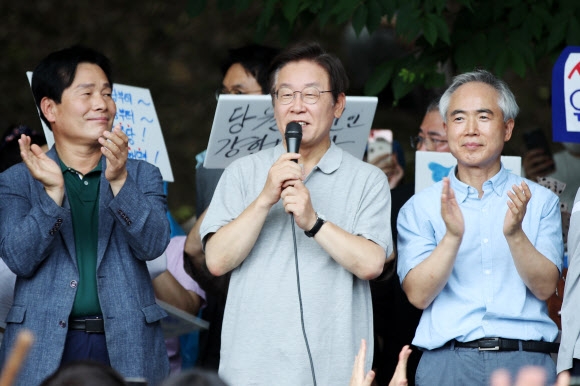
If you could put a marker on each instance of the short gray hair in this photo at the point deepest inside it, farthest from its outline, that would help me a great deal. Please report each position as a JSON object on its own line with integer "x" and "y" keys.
{"x": 506, "y": 101}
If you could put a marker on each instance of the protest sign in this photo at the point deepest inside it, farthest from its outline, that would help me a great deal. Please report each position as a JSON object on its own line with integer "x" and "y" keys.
{"x": 432, "y": 166}
{"x": 566, "y": 96}
{"x": 245, "y": 124}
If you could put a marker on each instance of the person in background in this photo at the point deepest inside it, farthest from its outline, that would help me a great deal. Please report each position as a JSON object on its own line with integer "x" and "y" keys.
{"x": 77, "y": 225}
{"x": 9, "y": 156}
{"x": 245, "y": 71}
{"x": 481, "y": 260}
{"x": 569, "y": 354}
{"x": 9, "y": 149}
{"x": 176, "y": 287}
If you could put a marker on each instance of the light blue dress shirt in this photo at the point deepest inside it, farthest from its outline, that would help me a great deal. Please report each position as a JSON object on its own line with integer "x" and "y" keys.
{"x": 484, "y": 296}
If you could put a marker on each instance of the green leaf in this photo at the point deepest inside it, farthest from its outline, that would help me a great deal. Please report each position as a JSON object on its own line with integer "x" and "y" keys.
{"x": 359, "y": 19}
{"x": 401, "y": 87}
{"x": 408, "y": 22}
{"x": 557, "y": 34}
{"x": 374, "y": 16}
{"x": 379, "y": 78}
{"x": 573, "y": 38}
{"x": 442, "y": 29}
{"x": 242, "y": 5}
{"x": 502, "y": 62}
{"x": 389, "y": 7}
{"x": 195, "y": 7}
{"x": 290, "y": 10}
{"x": 517, "y": 63}
{"x": 517, "y": 15}
{"x": 430, "y": 29}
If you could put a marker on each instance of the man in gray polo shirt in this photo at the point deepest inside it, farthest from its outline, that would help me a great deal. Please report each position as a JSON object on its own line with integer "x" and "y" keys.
{"x": 342, "y": 207}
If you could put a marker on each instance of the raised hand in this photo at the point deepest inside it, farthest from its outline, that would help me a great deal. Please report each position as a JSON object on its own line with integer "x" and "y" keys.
{"x": 450, "y": 210}
{"x": 42, "y": 168}
{"x": 400, "y": 376}
{"x": 115, "y": 147}
{"x": 296, "y": 200}
{"x": 517, "y": 205}
{"x": 282, "y": 170}
{"x": 358, "y": 377}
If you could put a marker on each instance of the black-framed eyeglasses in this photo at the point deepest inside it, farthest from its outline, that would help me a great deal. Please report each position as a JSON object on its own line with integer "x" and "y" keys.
{"x": 436, "y": 143}
{"x": 309, "y": 95}
{"x": 235, "y": 91}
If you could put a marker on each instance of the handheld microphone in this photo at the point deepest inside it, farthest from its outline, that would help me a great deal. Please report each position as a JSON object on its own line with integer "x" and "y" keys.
{"x": 293, "y": 136}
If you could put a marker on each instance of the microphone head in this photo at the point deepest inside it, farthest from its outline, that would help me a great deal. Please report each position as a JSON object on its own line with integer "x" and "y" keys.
{"x": 293, "y": 130}
{"x": 293, "y": 137}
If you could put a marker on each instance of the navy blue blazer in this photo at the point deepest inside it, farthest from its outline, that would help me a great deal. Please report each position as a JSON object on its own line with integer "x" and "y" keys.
{"x": 37, "y": 244}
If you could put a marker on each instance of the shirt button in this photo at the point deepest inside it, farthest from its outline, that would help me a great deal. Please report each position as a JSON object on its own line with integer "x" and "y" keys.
{"x": 62, "y": 323}
{"x": 86, "y": 183}
{"x": 485, "y": 241}
{"x": 73, "y": 284}
{"x": 487, "y": 271}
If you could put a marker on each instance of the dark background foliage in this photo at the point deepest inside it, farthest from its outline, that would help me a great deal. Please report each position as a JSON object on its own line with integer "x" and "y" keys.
{"x": 175, "y": 48}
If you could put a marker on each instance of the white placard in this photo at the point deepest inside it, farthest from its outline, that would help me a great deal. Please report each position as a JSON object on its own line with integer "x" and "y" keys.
{"x": 138, "y": 118}
{"x": 245, "y": 124}
{"x": 432, "y": 166}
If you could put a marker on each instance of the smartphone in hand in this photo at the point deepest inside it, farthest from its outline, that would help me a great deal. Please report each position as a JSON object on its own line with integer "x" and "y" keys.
{"x": 536, "y": 139}
{"x": 380, "y": 143}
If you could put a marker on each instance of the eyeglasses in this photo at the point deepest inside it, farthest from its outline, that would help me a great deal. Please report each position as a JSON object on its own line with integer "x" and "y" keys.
{"x": 235, "y": 91}
{"x": 430, "y": 142}
{"x": 309, "y": 95}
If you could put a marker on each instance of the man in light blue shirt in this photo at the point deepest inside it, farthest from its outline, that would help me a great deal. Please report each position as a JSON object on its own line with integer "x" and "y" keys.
{"x": 481, "y": 260}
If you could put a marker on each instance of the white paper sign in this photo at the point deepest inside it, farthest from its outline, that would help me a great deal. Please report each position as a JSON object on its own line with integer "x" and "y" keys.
{"x": 245, "y": 124}
{"x": 138, "y": 118}
{"x": 432, "y": 166}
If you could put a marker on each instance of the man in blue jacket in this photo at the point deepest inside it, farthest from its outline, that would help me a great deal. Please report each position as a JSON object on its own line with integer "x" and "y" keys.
{"x": 77, "y": 226}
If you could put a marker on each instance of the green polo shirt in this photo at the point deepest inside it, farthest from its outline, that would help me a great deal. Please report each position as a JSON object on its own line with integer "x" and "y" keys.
{"x": 83, "y": 197}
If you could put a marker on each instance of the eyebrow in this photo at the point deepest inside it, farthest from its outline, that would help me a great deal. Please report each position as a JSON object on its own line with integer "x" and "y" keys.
{"x": 90, "y": 85}
{"x": 479, "y": 111}
{"x": 311, "y": 84}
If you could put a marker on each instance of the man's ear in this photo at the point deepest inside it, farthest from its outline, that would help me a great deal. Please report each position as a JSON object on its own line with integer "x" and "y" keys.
{"x": 339, "y": 105}
{"x": 48, "y": 106}
{"x": 509, "y": 127}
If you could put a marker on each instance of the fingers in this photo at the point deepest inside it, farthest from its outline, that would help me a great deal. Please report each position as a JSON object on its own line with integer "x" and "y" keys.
{"x": 400, "y": 375}
{"x": 115, "y": 143}
{"x": 519, "y": 198}
{"x": 563, "y": 379}
{"x": 358, "y": 378}
{"x": 500, "y": 378}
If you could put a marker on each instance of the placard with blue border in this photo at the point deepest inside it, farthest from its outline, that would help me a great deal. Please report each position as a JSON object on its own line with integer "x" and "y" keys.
{"x": 566, "y": 96}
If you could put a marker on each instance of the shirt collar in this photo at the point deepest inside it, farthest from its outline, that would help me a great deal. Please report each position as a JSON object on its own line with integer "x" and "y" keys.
{"x": 495, "y": 184}
{"x": 329, "y": 162}
{"x": 65, "y": 168}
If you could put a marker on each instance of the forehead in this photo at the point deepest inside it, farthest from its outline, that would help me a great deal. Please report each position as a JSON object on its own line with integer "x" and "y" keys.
{"x": 89, "y": 73}
{"x": 302, "y": 73}
{"x": 237, "y": 74}
{"x": 432, "y": 123}
{"x": 474, "y": 96}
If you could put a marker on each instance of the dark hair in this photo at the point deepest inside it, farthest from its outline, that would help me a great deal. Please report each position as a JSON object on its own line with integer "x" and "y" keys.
{"x": 85, "y": 373}
{"x": 57, "y": 71}
{"x": 9, "y": 148}
{"x": 256, "y": 61}
{"x": 312, "y": 51}
{"x": 194, "y": 377}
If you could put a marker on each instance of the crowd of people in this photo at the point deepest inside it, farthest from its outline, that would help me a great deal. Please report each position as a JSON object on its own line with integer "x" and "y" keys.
{"x": 310, "y": 265}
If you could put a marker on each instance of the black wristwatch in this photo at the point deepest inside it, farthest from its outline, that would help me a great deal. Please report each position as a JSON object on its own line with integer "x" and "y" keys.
{"x": 317, "y": 225}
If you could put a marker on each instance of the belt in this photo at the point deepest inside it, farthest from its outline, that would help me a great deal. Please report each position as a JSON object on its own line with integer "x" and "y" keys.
{"x": 501, "y": 344}
{"x": 91, "y": 325}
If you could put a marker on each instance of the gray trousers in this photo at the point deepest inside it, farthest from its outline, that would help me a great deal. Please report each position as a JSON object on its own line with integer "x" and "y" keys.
{"x": 451, "y": 366}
